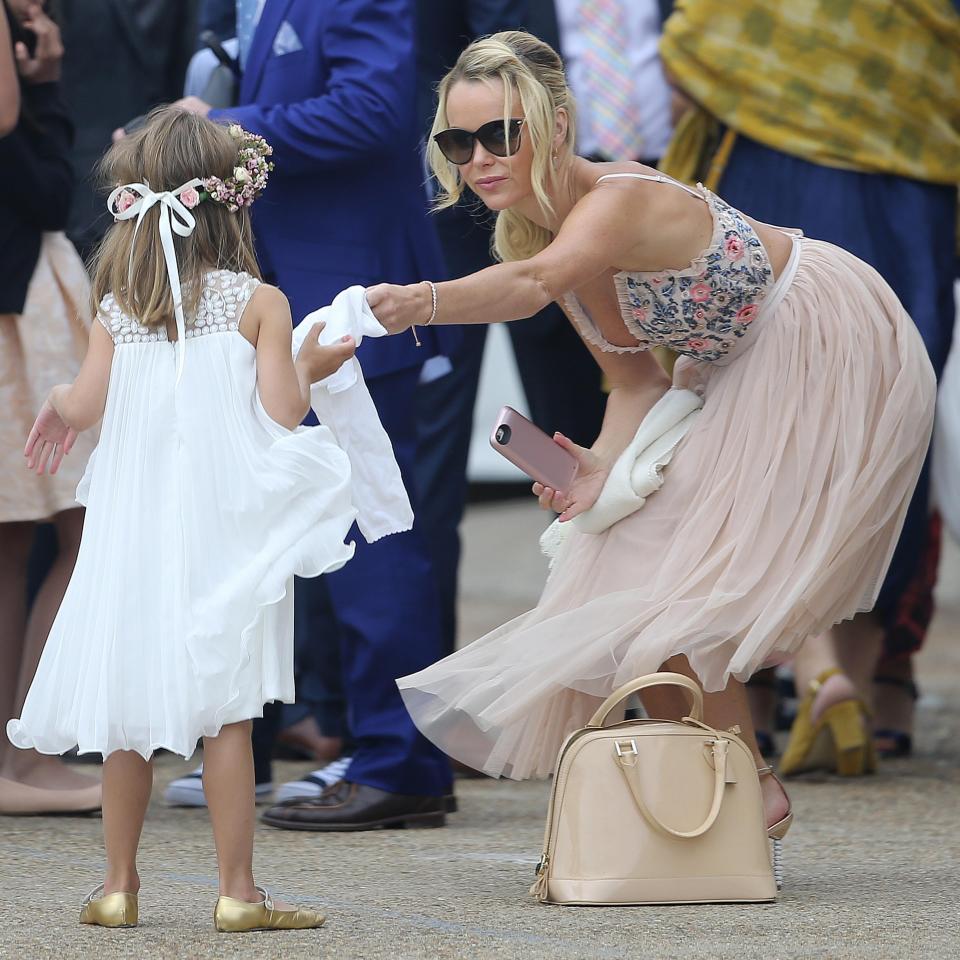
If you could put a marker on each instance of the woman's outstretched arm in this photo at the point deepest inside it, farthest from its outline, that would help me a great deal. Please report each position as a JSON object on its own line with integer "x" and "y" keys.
{"x": 599, "y": 233}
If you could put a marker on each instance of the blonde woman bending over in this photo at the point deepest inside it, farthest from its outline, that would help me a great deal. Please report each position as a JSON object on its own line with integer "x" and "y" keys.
{"x": 781, "y": 506}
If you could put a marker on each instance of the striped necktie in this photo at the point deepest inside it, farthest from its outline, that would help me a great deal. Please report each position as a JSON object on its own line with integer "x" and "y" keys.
{"x": 608, "y": 87}
{"x": 247, "y": 18}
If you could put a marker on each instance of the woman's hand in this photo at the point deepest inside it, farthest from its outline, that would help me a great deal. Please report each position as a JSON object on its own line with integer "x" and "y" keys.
{"x": 49, "y": 441}
{"x": 319, "y": 361}
{"x": 591, "y": 476}
{"x": 399, "y": 308}
{"x": 44, "y": 65}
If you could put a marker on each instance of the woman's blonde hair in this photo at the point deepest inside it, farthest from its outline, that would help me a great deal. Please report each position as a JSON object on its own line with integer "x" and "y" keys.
{"x": 533, "y": 68}
{"x": 171, "y": 148}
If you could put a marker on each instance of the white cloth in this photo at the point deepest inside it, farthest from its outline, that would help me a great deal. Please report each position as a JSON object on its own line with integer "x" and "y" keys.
{"x": 651, "y": 92}
{"x": 638, "y": 470}
{"x": 342, "y": 402}
{"x": 178, "y": 618}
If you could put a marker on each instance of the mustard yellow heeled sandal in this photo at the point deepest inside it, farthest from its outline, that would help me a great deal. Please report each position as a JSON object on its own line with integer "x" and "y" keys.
{"x": 112, "y": 910}
{"x": 839, "y": 741}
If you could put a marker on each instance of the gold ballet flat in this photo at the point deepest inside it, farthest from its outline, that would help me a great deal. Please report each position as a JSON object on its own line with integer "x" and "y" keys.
{"x": 112, "y": 910}
{"x": 838, "y": 742}
{"x": 240, "y": 916}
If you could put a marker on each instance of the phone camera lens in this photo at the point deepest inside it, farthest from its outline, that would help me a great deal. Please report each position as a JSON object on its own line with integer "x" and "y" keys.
{"x": 503, "y": 434}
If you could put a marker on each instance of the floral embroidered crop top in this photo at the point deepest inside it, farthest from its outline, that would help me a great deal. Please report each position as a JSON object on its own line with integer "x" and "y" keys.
{"x": 702, "y": 310}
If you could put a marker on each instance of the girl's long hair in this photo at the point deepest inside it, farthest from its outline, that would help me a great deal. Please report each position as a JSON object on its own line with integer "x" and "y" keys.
{"x": 532, "y": 69}
{"x": 171, "y": 148}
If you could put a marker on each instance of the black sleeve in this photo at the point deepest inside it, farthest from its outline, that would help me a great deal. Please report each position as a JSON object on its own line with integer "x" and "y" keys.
{"x": 36, "y": 179}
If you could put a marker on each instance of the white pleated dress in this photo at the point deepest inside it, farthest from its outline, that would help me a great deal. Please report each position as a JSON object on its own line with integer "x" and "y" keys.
{"x": 200, "y": 510}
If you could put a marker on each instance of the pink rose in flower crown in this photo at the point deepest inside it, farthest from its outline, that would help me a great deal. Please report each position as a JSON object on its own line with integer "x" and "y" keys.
{"x": 748, "y": 313}
{"x": 733, "y": 248}
{"x": 189, "y": 197}
{"x": 125, "y": 201}
{"x": 700, "y": 292}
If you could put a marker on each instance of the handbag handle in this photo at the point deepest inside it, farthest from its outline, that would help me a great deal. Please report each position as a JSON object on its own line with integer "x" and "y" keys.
{"x": 599, "y": 719}
{"x": 628, "y": 762}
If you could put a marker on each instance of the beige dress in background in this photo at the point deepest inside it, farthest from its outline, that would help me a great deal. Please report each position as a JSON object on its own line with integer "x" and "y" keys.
{"x": 39, "y": 348}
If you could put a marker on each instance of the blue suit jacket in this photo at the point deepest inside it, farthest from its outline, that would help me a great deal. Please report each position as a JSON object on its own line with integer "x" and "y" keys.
{"x": 346, "y": 202}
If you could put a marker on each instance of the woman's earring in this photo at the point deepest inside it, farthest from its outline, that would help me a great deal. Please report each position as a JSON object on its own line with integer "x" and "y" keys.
{"x": 556, "y": 160}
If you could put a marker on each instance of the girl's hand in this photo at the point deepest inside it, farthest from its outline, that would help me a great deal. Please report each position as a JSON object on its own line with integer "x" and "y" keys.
{"x": 44, "y": 65}
{"x": 587, "y": 484}
{"x": 319, "y": 360}
{"x": 49, "y": 440}
{"x": 399, "y": 308}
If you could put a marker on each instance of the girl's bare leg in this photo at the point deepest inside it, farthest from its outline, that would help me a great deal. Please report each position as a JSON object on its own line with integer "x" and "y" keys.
{"x": 127, "y": 781}
{"x": 228, "y": 784}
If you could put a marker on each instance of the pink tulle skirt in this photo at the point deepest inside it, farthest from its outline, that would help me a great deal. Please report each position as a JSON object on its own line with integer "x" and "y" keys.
{"x": 777, "y": 518}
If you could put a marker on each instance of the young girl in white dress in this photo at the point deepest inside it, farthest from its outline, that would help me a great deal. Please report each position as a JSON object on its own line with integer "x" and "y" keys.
{"x": 202, "y": 498}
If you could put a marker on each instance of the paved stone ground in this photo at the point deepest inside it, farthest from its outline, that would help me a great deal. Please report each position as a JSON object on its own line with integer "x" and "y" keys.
{"x": 871, "y": 865}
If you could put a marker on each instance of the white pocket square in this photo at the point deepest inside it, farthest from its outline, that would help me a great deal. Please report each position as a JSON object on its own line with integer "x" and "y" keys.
{"x": 286, "y": 40}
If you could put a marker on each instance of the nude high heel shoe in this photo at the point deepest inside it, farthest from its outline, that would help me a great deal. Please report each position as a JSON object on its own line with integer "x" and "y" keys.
{"x": 113, "y": 910}
{"x": 838, "y": 741}
{"x": 777, "y": 831}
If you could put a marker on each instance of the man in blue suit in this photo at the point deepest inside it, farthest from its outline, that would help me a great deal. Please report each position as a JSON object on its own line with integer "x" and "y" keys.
{"x": 330, "y": 84}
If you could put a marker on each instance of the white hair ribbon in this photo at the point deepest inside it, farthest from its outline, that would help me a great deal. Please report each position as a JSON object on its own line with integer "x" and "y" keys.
{"x": 175, "y": 217}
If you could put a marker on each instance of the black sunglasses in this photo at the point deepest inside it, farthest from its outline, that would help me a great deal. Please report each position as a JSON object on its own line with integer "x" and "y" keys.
{"x": 499, "y": 138}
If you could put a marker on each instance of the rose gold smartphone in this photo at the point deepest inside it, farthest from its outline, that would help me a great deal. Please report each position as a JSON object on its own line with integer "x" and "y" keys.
{"x": 529, "y": 448}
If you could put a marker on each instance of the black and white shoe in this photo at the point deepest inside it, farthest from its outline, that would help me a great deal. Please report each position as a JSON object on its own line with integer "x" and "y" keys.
{"x": 313, "y": 784}
{"x": 188, "y": 791}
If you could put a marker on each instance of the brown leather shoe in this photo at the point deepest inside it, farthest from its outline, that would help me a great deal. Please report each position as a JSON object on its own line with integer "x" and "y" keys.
{"x": 355, "y": 806}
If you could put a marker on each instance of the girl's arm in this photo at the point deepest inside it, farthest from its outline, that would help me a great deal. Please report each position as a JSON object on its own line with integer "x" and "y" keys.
{"x": 80, "y": 404}
{"x": 282, "y": 382}
{"x": 72, "y": 407}
{"x": 600, "y": 233}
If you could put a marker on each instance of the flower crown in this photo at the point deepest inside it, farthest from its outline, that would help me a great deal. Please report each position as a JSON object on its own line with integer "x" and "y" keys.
{"x": 247, "y": 183}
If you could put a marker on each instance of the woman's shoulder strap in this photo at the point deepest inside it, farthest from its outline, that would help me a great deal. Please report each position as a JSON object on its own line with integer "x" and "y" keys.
{"x": 658, "y": 178}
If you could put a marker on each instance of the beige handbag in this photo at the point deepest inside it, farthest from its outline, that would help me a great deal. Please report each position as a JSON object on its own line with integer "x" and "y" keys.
{"x": 654, "y": 811}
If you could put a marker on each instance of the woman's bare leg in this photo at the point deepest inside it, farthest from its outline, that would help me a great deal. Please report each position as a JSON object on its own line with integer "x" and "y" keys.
{"x": 723, "y": 710}
{"x": 853, "y": 647}
{"x": 127, "y": 782}
{"x": 28, "y": 766}
{"x": 15, "y": 542}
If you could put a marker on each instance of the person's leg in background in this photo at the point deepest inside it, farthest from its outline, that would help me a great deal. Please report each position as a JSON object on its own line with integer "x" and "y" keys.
{"x": 315, "y": 726}
{"x": 27, "y": 777}
{"x": 387, "y": 608}
{"x": 445, "y": 426}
